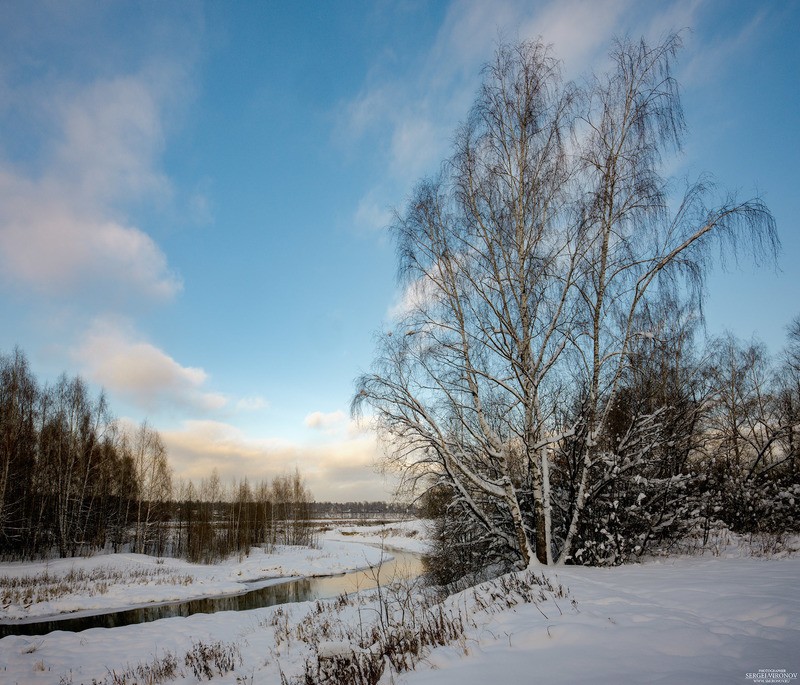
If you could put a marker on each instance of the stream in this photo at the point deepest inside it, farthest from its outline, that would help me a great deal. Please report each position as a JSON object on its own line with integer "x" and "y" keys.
{"x": 278, "y": 591}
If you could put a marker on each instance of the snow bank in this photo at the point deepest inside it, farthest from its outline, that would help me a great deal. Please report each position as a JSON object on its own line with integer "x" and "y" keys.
{"x": 126, "y": 580}
{"x": 709, "y": 621}
{"x": 667, "y": 622}
{"x": 406, "y": 536}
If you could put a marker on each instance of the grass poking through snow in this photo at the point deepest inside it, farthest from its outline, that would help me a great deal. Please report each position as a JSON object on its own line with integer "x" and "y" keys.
{"x": 48, "y": 586}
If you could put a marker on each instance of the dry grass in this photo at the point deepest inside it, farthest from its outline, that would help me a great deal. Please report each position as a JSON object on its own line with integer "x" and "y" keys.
{"x": 204, "y": 661}
{"x": 47, "y": 586}
{"x": 398, "y": 627}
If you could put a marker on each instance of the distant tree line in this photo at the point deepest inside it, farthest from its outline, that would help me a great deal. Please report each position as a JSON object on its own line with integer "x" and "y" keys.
{"x": 74, "y": 480}
{"x": 363, "y": 509}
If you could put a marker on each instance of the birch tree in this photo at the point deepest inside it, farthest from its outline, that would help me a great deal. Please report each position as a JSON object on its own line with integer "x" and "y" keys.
{"x": 639, "y": 243}
{"x": 18, "y": 442}
{"x": 155, "y": 487}
{"x": 527, "y": 264}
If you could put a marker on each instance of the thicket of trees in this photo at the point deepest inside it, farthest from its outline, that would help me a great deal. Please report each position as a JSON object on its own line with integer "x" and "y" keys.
{"x": 361, "y": 510}
{"x": 72, "y": 480}
{"x": 543, "y": 383}
{"x": 212, "y": 522}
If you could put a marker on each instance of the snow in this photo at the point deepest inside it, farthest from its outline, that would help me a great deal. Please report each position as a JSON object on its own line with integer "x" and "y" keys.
{"x": 409, "y": 536}
{"x": 167, "y": 577}
{"x": 668, "y": 621}
{"x": 333, "y": 649}
{"x": 682, "y": 621}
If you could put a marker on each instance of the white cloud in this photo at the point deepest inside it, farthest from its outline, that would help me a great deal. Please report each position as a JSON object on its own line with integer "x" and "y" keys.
{"x": 112, "y": 355}
{"x": 322, "y": 421}
{"x": 50, "y": 245}
{"x": 252, "y": 404}
{"x": 367, "y": 110}
{"x": 372, "y": 214}
{"x": 414, "y": 145}
{"x": 579, "y": 31}
{"x": 341, "y": 468}
{"x": 111, "y": 135}
{"x": 417, "y": 295}
{"x": 468, "y": 35}
{"x": 409, "y": 120}
{"x": 337, "y": 424}
{"x": 707, "y": 59}
{"x": 62, "y": 230}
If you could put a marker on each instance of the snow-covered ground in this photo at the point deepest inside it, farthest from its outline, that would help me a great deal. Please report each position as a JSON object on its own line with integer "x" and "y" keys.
{"x": 119, "y": 581}
{"x": 675, "y": 622}
{"x": 410, "y": 536}
{"x": 669, "y": 621}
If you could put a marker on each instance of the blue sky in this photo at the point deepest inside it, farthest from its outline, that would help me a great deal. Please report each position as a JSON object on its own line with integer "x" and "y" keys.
{"x": 193, "y": 196}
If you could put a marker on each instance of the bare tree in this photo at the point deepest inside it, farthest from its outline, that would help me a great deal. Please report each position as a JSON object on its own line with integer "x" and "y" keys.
{"x": 290, "y": 510}
{"x": 748, "y": 456}
{"x": 72, "y": 452}
{"x": 155, "y": 488}
{"x": 18, "y": 442}
{"x": 789, "y": 383}
{"x": 528, "y": 264}
{"x": 74, "y": 479}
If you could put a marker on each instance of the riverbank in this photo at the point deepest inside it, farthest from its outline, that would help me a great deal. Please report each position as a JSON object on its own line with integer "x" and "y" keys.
{"x": 110, "y": 582}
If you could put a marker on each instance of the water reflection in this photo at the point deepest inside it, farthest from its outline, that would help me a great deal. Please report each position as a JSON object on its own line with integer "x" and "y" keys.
{"x": 404, "y": 564}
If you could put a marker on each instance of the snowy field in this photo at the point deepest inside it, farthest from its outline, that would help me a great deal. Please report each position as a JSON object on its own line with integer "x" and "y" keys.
{"x": 120, "y": 581}
{"x": 675, "y": 622}
{"x": 726, "y": 619}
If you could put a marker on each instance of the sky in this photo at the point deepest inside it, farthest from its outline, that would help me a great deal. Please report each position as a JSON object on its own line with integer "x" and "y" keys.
{"x": 194, "y": 197}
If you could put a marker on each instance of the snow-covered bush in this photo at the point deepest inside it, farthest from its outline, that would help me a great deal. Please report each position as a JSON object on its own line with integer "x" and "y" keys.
{"x": 460, "y": 552}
